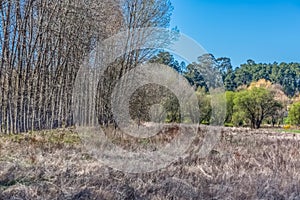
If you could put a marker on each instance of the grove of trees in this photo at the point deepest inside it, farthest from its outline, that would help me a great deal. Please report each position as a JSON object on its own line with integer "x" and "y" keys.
{"x": 255, "y": 93}
{"x": 43, "y": 43}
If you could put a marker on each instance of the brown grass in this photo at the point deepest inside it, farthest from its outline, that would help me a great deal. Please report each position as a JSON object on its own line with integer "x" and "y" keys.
{"x": 245, "y": 164}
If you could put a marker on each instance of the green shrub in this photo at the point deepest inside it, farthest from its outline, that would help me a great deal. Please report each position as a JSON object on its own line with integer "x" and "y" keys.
{"x": 294, "y": 114}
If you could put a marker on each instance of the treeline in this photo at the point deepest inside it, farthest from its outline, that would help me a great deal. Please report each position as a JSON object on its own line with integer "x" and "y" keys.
{"x": 285, "y": 74}
{"x": 44, "y": 43}
{"x": 255, "y": 93}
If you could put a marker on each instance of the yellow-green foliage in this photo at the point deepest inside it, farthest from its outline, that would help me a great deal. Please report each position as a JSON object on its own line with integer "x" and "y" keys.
{"x": 61, "y": 136}
{"x": 294, "y": 114}
{"x": 287, "y": 127}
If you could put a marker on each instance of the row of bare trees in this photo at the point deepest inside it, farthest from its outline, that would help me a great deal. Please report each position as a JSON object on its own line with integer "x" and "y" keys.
{"x": 43, "y": 44}
{"x": 128, "y": 50}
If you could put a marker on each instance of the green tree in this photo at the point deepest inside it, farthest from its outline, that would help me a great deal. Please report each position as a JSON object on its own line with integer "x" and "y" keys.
{"x": 239, "y": 118}
{"x": 168, "y": 59}
{"x": 195, "y": 77}
{"x": 257, "y": 104}
{"x": 172, "y": 108}
{"x": 224, "y": 66}
{"x": 229, "y": 106}
{"x": 243, "y": 75}
{"x": 294, "y": 114}
{"x": 204, "y": 102}
{"x": 229, "y": 83}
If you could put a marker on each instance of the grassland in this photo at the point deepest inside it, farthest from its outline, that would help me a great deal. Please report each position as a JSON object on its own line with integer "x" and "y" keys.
{"x": 245, "y": 164}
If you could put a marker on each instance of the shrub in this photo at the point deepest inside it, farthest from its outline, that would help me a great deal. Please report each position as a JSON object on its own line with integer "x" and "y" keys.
{"x": 294, "y": 114}
{"x": 286, "y": 127}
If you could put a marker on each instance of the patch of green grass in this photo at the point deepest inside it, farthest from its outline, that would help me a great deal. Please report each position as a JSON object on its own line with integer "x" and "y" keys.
{"x": 288, "y": 130}
{"x": 144, "y": 141}
{"x": 294, "y": 131}
{"x": 58, "y": 136}
{"x": 228, "y": 125}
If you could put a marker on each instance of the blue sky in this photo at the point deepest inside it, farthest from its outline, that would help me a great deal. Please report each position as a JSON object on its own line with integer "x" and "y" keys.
{"x": 262, "y": 30}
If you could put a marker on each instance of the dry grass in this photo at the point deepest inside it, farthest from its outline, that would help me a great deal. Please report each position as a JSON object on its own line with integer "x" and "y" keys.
{"x": 244, "y": 165}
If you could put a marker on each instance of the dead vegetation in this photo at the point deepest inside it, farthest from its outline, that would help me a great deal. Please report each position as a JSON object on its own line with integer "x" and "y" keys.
{"x": 245, "y": 164}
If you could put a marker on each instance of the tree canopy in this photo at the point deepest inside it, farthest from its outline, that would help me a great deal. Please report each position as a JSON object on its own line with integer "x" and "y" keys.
{"x": 257, "y": 104}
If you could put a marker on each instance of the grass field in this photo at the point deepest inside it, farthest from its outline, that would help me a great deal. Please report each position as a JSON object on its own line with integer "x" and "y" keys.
{"x": 245, "y": 164}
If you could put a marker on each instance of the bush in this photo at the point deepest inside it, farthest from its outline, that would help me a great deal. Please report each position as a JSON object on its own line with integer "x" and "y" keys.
{"x": 286, "y": 127}
{"x": 294, "y": 114}
{"x": 238, "y": 119}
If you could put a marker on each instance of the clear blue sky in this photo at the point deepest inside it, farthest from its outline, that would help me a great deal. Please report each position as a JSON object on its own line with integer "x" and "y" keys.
{"x": 262, "y": 30}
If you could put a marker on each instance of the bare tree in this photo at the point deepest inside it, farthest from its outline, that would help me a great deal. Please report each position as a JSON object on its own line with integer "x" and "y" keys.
{"x": 42, "y": 46}
{"x": 137, "y": 16}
